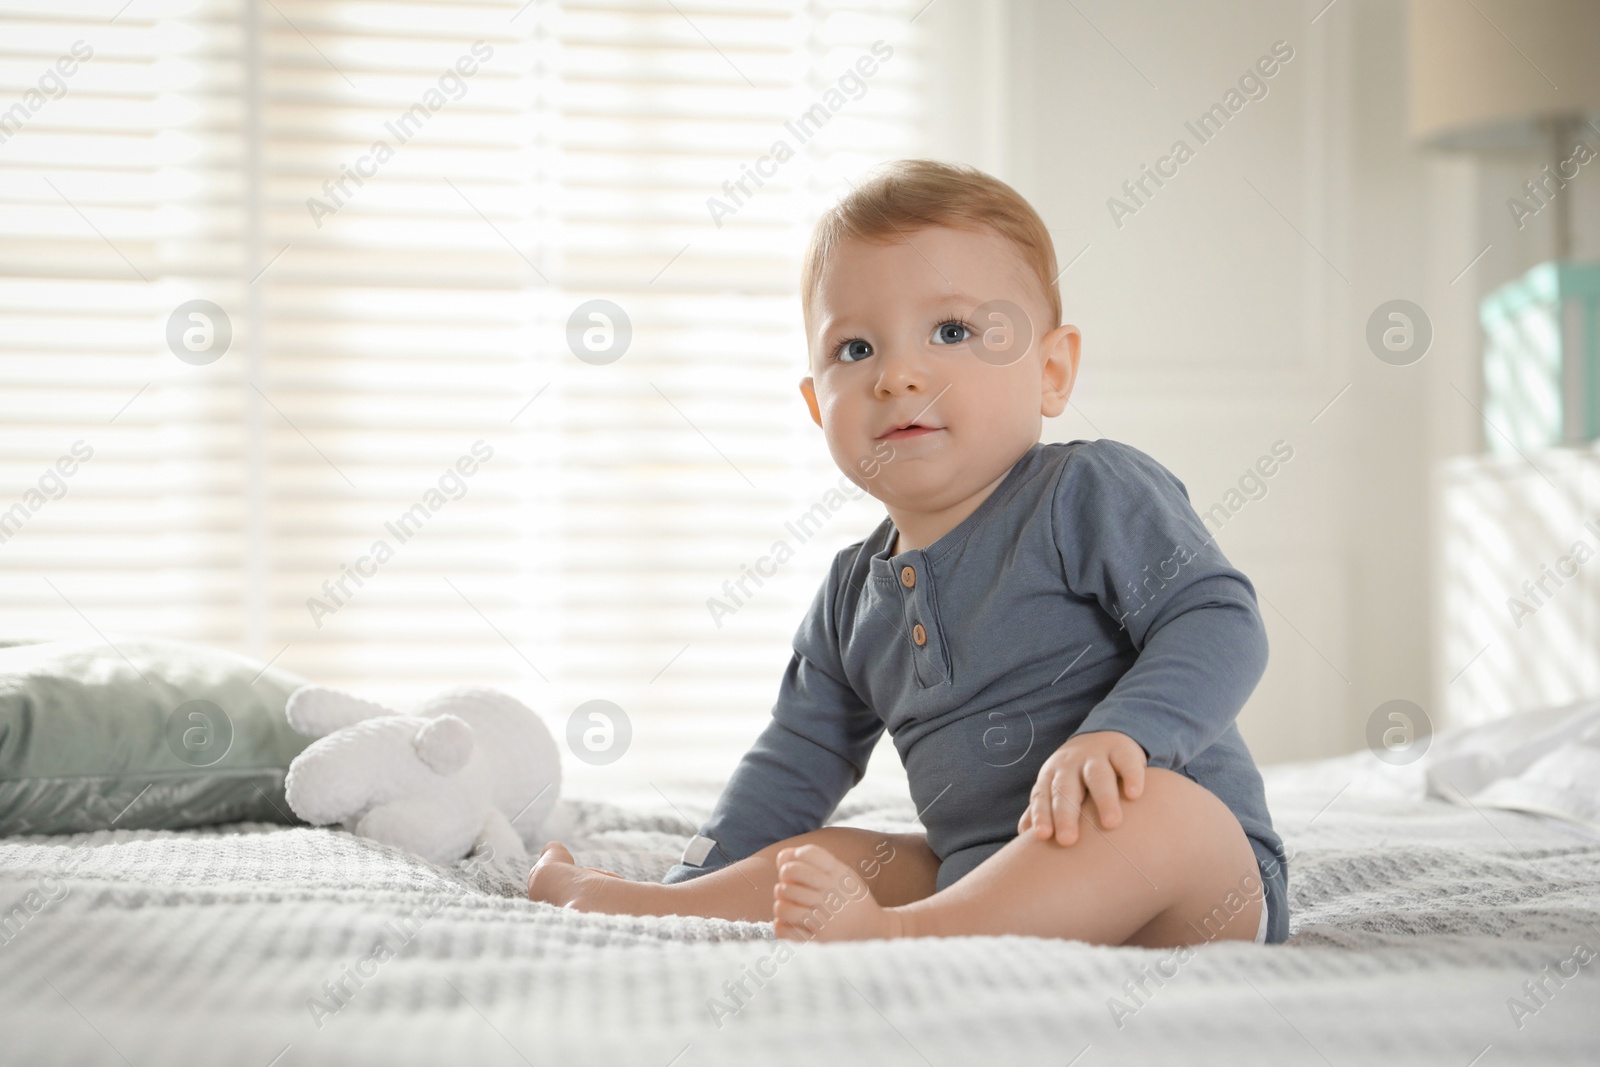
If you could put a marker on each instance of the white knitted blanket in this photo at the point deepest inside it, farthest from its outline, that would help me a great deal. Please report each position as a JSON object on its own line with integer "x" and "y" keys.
{"x": 1422, "y": 933}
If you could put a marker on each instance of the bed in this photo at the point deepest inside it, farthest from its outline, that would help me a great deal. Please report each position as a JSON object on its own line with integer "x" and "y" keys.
{"x": 1418, "y": 926}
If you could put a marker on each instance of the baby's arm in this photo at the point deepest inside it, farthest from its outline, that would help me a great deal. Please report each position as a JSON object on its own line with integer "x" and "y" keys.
{"x": 810, "y": 755}
{"x": 1130, "y": 539}
{"x": 785, "y": 785}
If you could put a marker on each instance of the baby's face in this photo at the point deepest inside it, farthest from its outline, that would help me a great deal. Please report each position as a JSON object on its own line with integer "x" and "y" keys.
{"x": 896, "y": 339}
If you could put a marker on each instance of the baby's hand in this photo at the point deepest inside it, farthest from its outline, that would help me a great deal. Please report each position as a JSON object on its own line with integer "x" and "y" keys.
{"x": 1088, "y": 763}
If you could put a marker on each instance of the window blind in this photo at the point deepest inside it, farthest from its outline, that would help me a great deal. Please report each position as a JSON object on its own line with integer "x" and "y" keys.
{"x": 424, "y": 232}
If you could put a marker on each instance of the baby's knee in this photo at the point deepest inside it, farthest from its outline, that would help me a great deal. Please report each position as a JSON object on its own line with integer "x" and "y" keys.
{"x": 1160, "y": 781}
{"x": 1174, "y": 798}
{"x": 1171, "y": 809}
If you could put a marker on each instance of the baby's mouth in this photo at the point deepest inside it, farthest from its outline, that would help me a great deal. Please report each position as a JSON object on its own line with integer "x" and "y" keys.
{"x": 914, "y": 429}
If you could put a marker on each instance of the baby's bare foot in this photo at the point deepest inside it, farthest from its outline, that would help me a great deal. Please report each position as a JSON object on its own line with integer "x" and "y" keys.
{"x": 819, "y": 898}
{"x": 557, "y": 879}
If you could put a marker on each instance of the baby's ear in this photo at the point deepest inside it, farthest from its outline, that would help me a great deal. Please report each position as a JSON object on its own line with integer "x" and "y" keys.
{"x": 808, "y": 390}
{"x": 1059, "y": 350}
{"x": 445, "y": 743}
{"x": 317, "y": 711}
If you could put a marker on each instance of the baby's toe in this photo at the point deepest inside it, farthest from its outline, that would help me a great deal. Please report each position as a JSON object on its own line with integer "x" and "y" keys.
{"x": 551, "y": 877}
{"x": 555, "y": 852}
{"x": 790, "y": 913}
{"x": 797, "y": 893}
{"x": 812, "y": 865}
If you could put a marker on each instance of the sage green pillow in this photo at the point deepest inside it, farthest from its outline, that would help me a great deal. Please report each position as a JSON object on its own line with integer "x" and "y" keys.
{"x": 140, "y": 733}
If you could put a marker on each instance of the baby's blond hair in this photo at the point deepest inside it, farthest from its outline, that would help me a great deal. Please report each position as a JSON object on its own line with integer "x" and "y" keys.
{"x": 912, "y": 194}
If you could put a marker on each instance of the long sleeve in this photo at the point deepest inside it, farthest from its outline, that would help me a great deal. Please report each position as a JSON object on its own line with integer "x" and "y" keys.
{"x": 1130, "y": 538}
{"x": 807, "y": 758}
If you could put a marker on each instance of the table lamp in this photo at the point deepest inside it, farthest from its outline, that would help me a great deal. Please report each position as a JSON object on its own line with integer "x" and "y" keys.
{"x": 1498, "y": 76}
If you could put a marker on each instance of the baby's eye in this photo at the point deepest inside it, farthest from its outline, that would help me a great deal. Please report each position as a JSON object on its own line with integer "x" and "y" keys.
{"x": 853, "y": 351}
{"x": 952, "y": 332}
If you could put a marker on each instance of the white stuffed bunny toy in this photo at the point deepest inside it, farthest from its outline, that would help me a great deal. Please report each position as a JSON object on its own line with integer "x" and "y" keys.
{"x": 464, "y": 770}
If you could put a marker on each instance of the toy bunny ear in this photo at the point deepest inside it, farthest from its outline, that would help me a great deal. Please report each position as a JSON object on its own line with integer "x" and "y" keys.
{"x": 445, "y": 743}
{"x": 316, "y": 710}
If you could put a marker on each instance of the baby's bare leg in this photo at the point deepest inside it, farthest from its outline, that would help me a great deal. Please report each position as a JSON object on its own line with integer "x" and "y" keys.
{"x": 896, "y": 868}
{"x": 1179, "y": 870}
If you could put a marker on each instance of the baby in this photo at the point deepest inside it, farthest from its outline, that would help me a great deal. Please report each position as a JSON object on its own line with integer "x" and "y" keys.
{"x": 1047, "y": 632}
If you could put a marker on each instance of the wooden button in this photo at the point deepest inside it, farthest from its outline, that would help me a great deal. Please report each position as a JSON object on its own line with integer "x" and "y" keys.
{"x": 919, "y": 635}
{"x": 908, "y": 577}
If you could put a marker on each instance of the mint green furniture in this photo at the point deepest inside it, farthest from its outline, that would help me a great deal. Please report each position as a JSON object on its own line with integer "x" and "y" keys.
{"x": 1541, "y": 361}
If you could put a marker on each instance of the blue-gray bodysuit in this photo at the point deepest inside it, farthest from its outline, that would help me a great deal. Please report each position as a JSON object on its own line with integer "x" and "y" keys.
{"x": 1083, "y": 594}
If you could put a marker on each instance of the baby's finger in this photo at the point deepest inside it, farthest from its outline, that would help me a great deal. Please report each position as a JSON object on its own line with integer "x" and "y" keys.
{"x": 1129, "y": 763}
{"x": 1066, "y": 803}
{"x": 1101, "y": 779}
{"x": 1039, "y": 807}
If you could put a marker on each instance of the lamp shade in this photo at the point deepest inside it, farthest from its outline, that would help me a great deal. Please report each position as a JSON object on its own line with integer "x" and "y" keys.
{"x": 1487, "y": 75}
